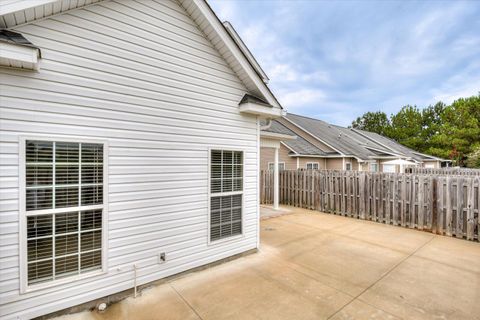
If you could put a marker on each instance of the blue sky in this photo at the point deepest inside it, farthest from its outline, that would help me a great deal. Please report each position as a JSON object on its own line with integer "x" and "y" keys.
{"x": 335, "y": 60}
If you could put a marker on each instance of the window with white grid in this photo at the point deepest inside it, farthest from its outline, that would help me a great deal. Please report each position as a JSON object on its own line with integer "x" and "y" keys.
{"x": 226, "y": 193}
{"x": 312, "y": 165}
{"x": 64, "y": 208}
{"x": 281, "y": 166}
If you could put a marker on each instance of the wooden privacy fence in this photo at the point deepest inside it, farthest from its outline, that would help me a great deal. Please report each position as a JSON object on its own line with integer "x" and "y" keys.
{"x": 444, "y": 171}
{"x": 441, "y": 204}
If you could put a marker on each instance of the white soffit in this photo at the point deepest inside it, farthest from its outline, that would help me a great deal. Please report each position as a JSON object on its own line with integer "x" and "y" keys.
{"x": 18, "y": 12}
{"x": 17, "y": 56}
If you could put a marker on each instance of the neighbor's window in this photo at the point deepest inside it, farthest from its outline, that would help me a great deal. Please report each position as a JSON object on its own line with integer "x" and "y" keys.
{"x": 373, "y": 167}
{"x": 281, "y": 166}
{"x": 226, "y": 193}
{"x": 64, "y": 208}
{"x": 348, "y": 166}
{"x": 312, "y": 166}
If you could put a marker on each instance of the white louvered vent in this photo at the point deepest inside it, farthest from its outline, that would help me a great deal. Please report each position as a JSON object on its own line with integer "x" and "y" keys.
{"x": 66, "y": 176}
{"x": 226, "y": 189}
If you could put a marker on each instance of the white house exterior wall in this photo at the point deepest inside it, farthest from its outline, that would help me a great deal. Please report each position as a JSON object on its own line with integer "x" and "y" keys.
{"x": 141, "y": 76}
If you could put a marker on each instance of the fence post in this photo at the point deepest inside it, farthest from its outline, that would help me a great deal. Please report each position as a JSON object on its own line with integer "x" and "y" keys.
{"x": 470, "y": 209}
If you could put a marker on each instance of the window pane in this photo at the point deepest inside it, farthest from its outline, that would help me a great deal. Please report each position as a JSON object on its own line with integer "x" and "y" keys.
{"x": 40, "y": 249}
{"x": 37, "y": 175}
{"x": 227, "y": 185}
{"x": 39, "y": 151}
{"x": 65, "y": 266}
{"x": 237, "y": 171}
{"x": 238, "y": 157}
{"x": 91, "y": 219}
{"x": 92, "y": 195}
{"x": 40, "y": 271}
{"x": 238, "y": 184}
{"x": 216, "y": 171}
{"x": 66, "y": 152}
{"x": 38, "y": 199}
{"x": 216, "y": 185}
{"x": 66, "y": 244}
{"x": 92, "y": 153}
{"x": 216, "y": 157}
{"x": 91, "y": 260}
{"x": 39, "y": 226}
{"x": 227, "y": 171}
{"x": 227, "y": 157}
{"x": 66, "y": 222}
{"x": 91, "y": 240}
{"x": 92, "y": 173}
{"x": 66, "y": 174}
{"x": 66, "y": 197}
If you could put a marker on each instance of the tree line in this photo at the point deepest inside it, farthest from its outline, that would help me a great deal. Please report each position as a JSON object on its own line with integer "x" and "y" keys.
{"x": 446, "y": 131}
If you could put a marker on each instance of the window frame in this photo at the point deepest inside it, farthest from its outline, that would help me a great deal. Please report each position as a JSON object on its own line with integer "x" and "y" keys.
{"x": 279, "y": 163}
{"x": 377, "y": 167}
{"x": 347, "y": 163}
{"x": 23, "y": 214}
{"x": 312, "y": 163}
{"x": 209, "y": 197}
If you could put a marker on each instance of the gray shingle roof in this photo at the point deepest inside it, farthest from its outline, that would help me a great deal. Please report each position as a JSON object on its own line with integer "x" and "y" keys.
{"x": 299, "y": 145}
{"x": 394, "y": 146}
{"x": 341, "y": 139}
{"x": 350, "y": 142}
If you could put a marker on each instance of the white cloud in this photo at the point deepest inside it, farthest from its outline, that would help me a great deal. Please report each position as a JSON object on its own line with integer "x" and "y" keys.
{"x": 302, "y": 97}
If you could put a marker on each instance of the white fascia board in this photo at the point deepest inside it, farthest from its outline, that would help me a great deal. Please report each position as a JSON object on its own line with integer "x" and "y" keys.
{"x": 286, "y": 146}
{"x": 261, "y": 110}
{"x": 22, "y": 5}
{"x": 23, "y": 55}
{"x": 220, "y": 29}
{"x": 245, "y": 50}
{"x": 276, "y": 136}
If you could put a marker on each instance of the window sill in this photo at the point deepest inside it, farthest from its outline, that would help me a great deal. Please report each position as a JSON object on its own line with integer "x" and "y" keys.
{"x": 55, "y": 283}
{"x": 226, "y": 240}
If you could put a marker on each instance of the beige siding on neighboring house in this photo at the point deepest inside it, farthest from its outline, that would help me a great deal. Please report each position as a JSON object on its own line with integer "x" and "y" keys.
{"x": 268, "y": 155}
{"x": 141, "y": 76}
{"x": 431, "y": 164}
{"x": 335, "y": 164}
{"x": 304, "y": 160}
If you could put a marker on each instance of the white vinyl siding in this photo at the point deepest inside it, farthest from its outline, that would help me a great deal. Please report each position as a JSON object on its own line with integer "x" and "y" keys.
{"x": 312, "y": 165}
{"x": 144, "y": 78}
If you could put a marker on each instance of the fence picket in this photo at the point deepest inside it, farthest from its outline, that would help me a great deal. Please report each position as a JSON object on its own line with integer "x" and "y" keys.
{"x": 443, "y": 204}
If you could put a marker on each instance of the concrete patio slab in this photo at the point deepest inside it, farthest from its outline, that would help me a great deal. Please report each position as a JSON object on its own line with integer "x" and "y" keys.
{"x": 319, "y": 266}
{"x": 360, "y": 310}
{"x": 420, "y": 288}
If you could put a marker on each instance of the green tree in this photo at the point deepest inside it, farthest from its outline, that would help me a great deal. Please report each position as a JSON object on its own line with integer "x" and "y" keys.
{"x": 431, "y": 123}
{"x": 373, "y": 121}
{"x": 447, "y": 131}
{"x": 473, "y": 158}
{"x": 459, "y": 132}
{"x": 407, "y": 128}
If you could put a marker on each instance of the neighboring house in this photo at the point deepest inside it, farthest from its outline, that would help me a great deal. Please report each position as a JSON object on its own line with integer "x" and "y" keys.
{"x": 130, "y": 136}
{"x": 319, "y": 145}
